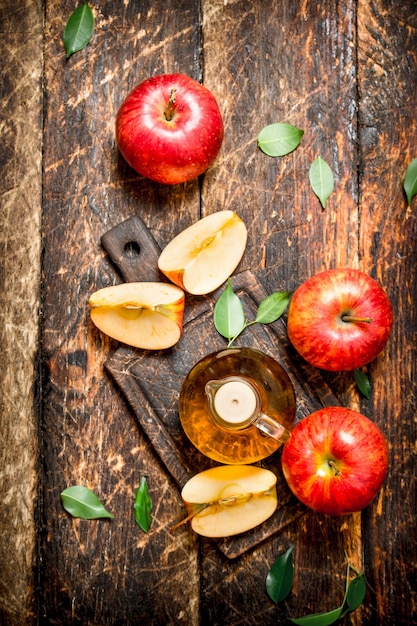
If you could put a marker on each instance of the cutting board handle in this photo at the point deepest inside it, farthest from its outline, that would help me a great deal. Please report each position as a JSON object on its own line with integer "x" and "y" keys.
{"x": 133, "y": 250}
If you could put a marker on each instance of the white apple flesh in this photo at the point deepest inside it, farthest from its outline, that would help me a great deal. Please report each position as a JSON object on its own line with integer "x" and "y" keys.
{"x": 228, "y": 500}
{"x": 144, "y": 315}
{"x": 201, "y": 257}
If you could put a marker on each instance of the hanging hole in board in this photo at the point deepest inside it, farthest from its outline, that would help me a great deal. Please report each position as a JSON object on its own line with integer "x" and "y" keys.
{"x": 132, "y": 249}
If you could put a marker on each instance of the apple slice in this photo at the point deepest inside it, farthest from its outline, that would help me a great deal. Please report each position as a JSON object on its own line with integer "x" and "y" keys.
{"x": 203, "y": 256}
{"x": 143, "y": 315}
{"x": 230, "y": 499}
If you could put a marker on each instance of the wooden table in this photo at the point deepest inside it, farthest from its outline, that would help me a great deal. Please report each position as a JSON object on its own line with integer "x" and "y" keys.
{"x": 344, "y": 72}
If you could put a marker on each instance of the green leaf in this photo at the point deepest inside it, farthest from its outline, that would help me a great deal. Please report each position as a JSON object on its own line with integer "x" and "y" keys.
{"x": 78, "y": 29}
{"x": 143, "y": 506}
{"x": 279, "y": 139}
{"x": 229, "y": 317}
{"x": 410, "y": 181}
{"x": 82, "y": 502}
{"x": 318, "y": 619}
{"x": 280, "y": 577}
{"x": 321, "y": 180}
{"x": 363, "y": 383}
{"x": 273, "y": 307}
{"x": 355, "y": 594}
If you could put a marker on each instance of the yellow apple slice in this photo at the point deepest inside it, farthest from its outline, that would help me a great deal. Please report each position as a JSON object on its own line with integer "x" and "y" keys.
{"x": 203, "y": 256}
{"x": 144, "y": 315}
{"x": 230, "y": 499}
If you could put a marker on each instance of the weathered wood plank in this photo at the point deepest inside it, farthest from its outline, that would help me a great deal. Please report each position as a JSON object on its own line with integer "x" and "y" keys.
{"x": 345, "y": 72}
{"x": 296, "y": 63}
{"x": 387, "y": 45}
{"x": 285, "y": 62}
{"x": 104, "y": 572}
{"x": 20, "y": 212}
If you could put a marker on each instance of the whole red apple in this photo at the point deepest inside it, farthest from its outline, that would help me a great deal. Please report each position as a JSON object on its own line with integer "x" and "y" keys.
{"x": 169, "y": 128}
{"x": 339, "y": 319}
{"x": 335, "y": 461}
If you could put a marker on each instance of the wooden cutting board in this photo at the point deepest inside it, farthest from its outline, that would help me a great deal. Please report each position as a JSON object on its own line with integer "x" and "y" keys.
{"x": 151, "y": 381}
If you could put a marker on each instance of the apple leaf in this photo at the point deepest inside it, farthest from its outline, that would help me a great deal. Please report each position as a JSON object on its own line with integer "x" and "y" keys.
{"x": 229, "y": 317}
{"x": 321, "y": 180}
{"x": 354, "y": 595}
{"x": 362, "y": 382}
{"x": 272, "y": 307}
{"x": 318, "y": 619}
{"x": 410, "y": 181}
{"x": 81, "y": 502}
{"x": 279, "y": 139}
{"x": 280, "y": 577}
{"x": 78, "y": 29}
{"x": 143, "y": 506}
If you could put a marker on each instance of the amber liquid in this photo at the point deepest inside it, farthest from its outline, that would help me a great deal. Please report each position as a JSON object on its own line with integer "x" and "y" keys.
{"x": 218, "y": 442}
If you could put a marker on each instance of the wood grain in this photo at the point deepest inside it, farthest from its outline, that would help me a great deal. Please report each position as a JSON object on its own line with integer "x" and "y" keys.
{"x": 251, "y": 65}
{"x": 111, "y": 572}
{"x": 20, "y": 217}
{"x": 343, "y": 71}
{"x": 388, "y": 245}
{"x": 260, "y": 81}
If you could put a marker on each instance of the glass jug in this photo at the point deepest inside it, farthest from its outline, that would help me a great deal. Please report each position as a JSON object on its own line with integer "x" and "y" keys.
{"x": 237, "y": 405}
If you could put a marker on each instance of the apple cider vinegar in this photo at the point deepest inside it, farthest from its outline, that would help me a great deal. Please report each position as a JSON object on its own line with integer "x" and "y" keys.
{"x": 237, "y": 405}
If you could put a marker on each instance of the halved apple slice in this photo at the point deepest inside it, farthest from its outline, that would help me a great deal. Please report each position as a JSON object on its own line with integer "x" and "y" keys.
{"x": 230, "y": 499}
{"x": 144, "y": 315}
{"x": 203, "y": 256}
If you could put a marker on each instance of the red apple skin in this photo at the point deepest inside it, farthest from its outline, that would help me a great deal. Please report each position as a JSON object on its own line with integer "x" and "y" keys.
{"x": 169, "y": 151}
{"x": 317, "y": 331}
{"x": 335, "y": 461}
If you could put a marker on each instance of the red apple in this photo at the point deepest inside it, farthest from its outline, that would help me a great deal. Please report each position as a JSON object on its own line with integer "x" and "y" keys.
{"x": 169, "y": 128}
{"x": 339, "y": 319}
{"x": 335, "y": 461}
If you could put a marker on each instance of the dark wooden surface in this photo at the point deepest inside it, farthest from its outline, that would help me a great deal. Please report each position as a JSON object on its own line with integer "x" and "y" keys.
{"x": 344, "y": 72}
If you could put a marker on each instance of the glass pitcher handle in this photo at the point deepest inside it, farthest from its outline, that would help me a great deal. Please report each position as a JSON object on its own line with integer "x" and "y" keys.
{"x": 270, "y": 427}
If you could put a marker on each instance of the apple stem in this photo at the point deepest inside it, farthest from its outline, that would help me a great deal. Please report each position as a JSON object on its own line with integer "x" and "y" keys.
{"x": 189, "y": 517}
{"x": 353, "y": 318}
{"x": 170, "y": 109}
{"x": 334, "y": 467}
